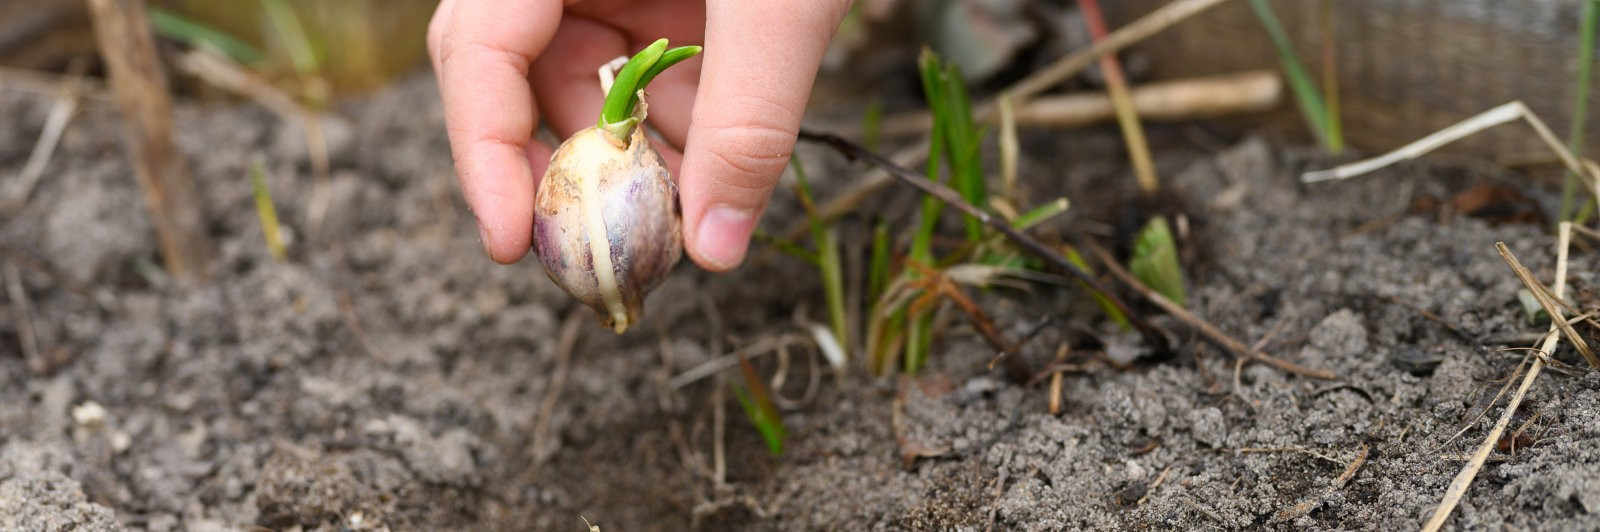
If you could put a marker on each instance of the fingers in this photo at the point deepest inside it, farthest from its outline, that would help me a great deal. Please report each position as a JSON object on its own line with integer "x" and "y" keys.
{"x": 566, "y": 77}
{"x": 760, "y": 61}
{"x": 482, "y": 53}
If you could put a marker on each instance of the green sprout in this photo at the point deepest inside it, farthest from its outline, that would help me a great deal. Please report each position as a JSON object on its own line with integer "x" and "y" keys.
{"x": 617, "y": 114}
{"x": 1155, "y": 260}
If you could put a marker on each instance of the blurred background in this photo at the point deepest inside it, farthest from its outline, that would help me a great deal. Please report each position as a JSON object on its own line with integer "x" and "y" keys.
{"x": 351, "y": 45}
{"x": 1405, "y": 67}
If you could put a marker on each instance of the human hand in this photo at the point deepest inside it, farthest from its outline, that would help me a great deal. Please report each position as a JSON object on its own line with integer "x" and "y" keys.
{"x": 503, "y": 66}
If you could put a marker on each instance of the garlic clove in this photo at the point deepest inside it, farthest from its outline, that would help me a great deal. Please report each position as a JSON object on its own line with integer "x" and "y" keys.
{"x": 607, "y": 224}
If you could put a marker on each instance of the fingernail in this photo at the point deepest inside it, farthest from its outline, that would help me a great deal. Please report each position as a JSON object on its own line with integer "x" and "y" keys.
{"x": 724, "y": 234}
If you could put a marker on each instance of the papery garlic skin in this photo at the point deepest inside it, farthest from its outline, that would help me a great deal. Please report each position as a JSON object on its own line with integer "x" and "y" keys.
{"x": 606, "y": 222}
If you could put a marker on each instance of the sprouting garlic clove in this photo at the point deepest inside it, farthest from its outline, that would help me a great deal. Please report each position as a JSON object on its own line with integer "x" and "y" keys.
{"x": 607, "y": 224}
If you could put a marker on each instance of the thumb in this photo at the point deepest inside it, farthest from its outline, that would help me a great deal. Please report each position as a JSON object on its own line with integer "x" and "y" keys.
{"x": 761, "y": 58}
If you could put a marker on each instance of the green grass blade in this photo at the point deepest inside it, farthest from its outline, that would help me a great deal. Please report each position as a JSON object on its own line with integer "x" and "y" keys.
{"x": 757, "y": 405}
{"x": 802, "y": 188}
{"x": 295, "y": 39}
{"x": 765, "y": 418}
{"x": 922, "y": 239}
{"x": 872, "y": 125}
{"x": 828, "y": 261}
{"x": 1111, "y": 310}
{"x": 266, "y": 211}
{"x": 178, "y": 27}
{"x": 784, "y": 246}
{"x": 1306, "y": 93}
{"x": 1155, "y": 260}
{"x": 878, "y": 271}
{"x": 883, "y": 359}
{"x": 964, "y": 143}
{"x": 1041, "y": 213}
{"x": 919, "y": 333}
{"x": 833, "y": 283}
{"x": 1580, "y": 104}
{"x": 1330, "y": 78}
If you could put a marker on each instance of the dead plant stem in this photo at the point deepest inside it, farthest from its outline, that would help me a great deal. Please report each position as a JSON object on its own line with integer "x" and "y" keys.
{"x": 24, "y": 317}
{"x": 558, "y": 380}
{"x": 140, "y": 87}
{"x": 1458, "y": 486}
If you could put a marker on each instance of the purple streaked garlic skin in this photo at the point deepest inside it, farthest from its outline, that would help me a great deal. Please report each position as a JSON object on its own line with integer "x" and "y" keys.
{"x": 606, "y": 222}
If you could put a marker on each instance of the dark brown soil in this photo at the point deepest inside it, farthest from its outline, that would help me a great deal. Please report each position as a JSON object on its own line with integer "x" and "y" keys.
{"x": 388, "y": 375}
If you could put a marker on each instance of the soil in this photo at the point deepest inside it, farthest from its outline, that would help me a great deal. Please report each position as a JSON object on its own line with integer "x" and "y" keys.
{"x": 389, "y": 376}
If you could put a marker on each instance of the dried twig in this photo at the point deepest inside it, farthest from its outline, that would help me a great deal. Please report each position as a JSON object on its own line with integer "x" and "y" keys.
{"x": 61, "y": 113}
{"x": 719, "y": 424}
{"x": 1238, "y": 383}
{"x": 1153, "y": 485}
{"x": 1473, "y": 419}
{"x": 761, "y": 346}
{"x": 1117, "y": 87}
{"x": 1055, "y": 379}
{"x": 1592, "y": 234}
{"x": 1010, "y": 150}
{"x": 170, "y": 196}
{"x": 1458, "y": 486}
{"x": 780, "y": 376}
{"x": 558, "y": 380}
{"x": 864, "y": 187}
{"x": 1190, "y": 502}
{"x": 1151, "y": 24}
{"x": 1300, "y": 450}
{"x": 1306, "y": 506}
{"x": 50, "y": 83}
{"x": 1165, "y": 101}
{"x": 1205, "y": 328}
{"x": 941, "y": 285}
{"x": 217, "y": 70}
{"x": 1547, "y": 300}
{"x": 347, "y": 310}
{"x": 1499, "y": 115}
{"x": 24, "y": 318}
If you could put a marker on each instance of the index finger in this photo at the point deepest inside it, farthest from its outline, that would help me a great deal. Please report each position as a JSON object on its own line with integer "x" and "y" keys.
{"x": 483, "y": 52}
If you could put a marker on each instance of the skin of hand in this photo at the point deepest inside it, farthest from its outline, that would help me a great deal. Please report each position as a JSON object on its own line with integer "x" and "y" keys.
{"x": 503, "y": 66}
